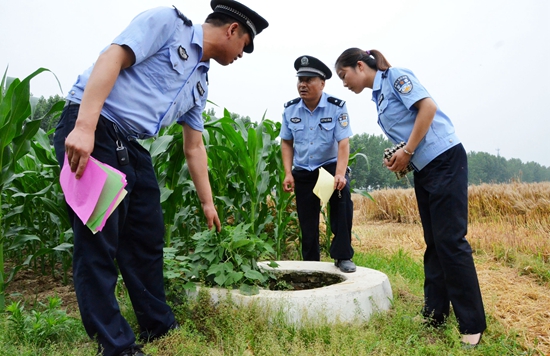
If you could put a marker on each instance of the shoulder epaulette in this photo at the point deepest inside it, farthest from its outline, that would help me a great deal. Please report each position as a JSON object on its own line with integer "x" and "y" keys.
{"x": 336, "y": 101}
{"x": 184, "y": 18}
{"x": 292, "y": 102}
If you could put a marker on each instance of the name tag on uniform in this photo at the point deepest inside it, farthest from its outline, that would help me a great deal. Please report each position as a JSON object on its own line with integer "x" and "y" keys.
{"x": 295, "y": 120}
{"x": 325, "y": 120}
{"x": 200, "y": 88}
{"x": 380, "y": 99}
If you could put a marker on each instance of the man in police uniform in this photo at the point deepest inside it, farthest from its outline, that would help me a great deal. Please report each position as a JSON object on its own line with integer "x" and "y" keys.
{"x": 315, "y": 133}
{"x": 152, "y": 75}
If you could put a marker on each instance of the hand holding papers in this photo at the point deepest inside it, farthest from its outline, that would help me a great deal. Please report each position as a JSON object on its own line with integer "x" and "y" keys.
{"x": 96, "y": 194}
{"x": 324, "y": 186}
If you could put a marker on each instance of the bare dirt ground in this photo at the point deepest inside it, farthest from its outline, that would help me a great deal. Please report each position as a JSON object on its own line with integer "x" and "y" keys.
{"x": 516, "y": 301}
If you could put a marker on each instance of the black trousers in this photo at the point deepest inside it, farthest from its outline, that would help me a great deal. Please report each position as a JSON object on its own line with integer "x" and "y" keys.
{"x": 450, "y": 276}
{"x": 309, "y": 207}
{"x": 132, "y": 241}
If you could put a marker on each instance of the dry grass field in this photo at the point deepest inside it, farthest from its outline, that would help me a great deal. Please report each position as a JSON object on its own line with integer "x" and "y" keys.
{"x": 509, "y": 232}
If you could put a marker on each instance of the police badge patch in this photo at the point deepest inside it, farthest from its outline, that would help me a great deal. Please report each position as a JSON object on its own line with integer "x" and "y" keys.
{"x": 183, "y": 53}
{"x": 343, "y": 120}
{"x": 295, "y": 120}
{"x": 403, "y": 85}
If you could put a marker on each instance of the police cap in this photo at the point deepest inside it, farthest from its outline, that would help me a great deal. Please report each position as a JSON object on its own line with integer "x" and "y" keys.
{"x": 308, "y": 66}
{"x": 253, "y": 22}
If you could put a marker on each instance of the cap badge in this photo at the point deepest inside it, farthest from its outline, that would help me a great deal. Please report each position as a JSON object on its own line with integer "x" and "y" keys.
{"x": 304, "y": 61}
{"x": 183, "y": 53}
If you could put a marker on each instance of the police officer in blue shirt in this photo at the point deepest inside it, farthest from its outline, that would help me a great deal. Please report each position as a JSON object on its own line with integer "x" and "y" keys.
{"x": 315, "y": 133}
{"x": 152, "y": 75}
{"x": 407, "y": 113}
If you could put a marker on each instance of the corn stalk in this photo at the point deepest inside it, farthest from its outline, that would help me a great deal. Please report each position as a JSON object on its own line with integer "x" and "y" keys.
{"x": 16, "y": 131}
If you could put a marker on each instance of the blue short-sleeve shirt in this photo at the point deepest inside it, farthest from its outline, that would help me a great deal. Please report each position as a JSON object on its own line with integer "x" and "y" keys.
{"x": 395, "y": 91}
{"x": 166, "y": 84}
{"x": 315, "y": 134}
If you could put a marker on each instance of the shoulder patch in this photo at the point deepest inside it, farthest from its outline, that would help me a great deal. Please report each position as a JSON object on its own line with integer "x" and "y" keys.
{"x": 403, "y": 85}
{"x": 292, "y": 102}
{"x": 336, "y": 101}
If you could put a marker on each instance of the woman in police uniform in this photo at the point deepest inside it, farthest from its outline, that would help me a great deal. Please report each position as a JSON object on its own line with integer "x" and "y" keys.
{"x": 407, "y": 113}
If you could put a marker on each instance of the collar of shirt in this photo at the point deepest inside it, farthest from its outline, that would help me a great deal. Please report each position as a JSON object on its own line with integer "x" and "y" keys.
{"x": 322, "y": 103}
{"x": 376, "y": 85}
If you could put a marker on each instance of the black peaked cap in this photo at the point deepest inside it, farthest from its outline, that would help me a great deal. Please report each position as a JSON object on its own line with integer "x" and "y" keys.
{"x": 253, "y": 22}
{"x": 308, "y": 66}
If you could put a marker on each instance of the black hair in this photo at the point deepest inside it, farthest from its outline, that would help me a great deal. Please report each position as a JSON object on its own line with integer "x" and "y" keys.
{"x": 217, "y": 19}
{"x": 373, "y": 58}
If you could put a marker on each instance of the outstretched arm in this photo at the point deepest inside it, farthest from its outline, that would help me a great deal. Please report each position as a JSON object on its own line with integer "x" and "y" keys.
{"x": 195, "y": 154}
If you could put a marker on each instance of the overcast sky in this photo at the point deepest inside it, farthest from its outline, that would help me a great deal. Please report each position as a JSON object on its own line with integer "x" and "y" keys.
{"x": 485, "y": 62}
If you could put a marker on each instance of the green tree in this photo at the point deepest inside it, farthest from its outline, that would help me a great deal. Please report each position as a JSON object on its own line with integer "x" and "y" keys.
{"x": 41, "y": 109}
{"x": 487, "y": 168}
{"x": 373, "y": 174}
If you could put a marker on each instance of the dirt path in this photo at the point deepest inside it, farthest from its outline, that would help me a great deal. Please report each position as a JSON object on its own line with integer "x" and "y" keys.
{"x": 518, "y": 302}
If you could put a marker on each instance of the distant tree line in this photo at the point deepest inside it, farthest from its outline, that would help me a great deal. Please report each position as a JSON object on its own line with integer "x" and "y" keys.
{"x": 482, "y": 167}
{"x": 370, "y": 173}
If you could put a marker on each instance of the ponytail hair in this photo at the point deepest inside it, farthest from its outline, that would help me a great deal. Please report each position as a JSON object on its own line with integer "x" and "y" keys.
{"x": 351, "y": 56}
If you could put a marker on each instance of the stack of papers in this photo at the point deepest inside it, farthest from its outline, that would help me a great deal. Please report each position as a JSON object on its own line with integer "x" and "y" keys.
{"x": 324, "y": 186}
{"x": 96, "y": 194}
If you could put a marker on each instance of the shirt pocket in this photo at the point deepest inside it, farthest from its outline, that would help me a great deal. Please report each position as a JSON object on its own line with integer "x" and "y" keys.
{"x": 327, "y": 131}
{"x": 387, "y": 115}
{"x": 298, "y": 132}
{"x": 164, "y": 69}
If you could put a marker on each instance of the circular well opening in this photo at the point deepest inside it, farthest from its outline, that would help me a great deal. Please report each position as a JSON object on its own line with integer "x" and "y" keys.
{"x": 302, "y": 280}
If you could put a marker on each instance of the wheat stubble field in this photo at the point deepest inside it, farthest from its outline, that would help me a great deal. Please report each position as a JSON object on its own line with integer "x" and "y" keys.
{"x": 509, "y": 232}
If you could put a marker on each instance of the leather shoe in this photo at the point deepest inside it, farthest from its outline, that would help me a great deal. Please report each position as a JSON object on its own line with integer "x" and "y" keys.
{"x": 134, "y": 350}
{"x": 346, "y": 266}
{"x": 146, "y": 337}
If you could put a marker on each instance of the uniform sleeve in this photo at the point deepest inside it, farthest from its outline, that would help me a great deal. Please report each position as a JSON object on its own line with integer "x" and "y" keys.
{"x": 343, "y": 127}
{"x": 407, "y": 87}
{"x": 285, "y": 133}
{"x": 148, "y": 32}
{"x": 193, "y": 117}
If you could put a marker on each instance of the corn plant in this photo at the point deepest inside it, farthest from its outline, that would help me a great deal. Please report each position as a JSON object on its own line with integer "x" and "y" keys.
{"x": 245, "y": 172}
{"x": 180, "y": 203}
{"x": 37, "y": 231}
{"x": 16, "y": 131}
{"x": 245, "y": 169}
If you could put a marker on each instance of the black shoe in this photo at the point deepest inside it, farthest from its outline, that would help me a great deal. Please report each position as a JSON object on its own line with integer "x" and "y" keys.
{"x": 134, "y": 350}
{"x": 346, "y": 266}
{"x": 468, "y": 346}
{"x": 146, "y": 337}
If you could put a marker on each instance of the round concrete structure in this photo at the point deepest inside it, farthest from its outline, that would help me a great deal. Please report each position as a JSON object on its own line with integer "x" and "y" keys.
{"x": 359, "y": 295}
